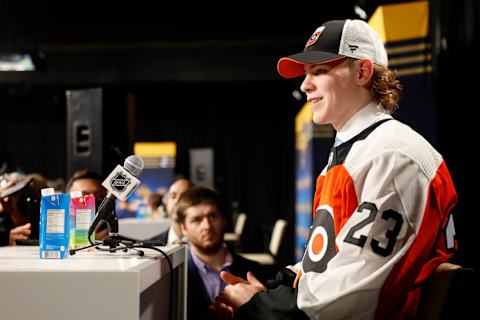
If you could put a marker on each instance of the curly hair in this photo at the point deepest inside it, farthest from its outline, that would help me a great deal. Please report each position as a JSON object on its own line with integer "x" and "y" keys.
{"x": 385, "y": 87}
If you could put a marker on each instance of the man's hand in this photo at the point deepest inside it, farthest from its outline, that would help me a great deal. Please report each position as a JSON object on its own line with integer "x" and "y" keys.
{"x": 236, "y": 293}
{"x": 20, "y": 233}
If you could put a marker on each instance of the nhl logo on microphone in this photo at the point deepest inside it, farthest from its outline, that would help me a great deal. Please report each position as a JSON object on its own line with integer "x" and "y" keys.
{"x": 120, "y": 182}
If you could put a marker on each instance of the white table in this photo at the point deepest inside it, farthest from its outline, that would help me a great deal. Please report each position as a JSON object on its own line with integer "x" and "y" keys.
{"x": 92, "y": 285}
{"x": 142, "y": 229}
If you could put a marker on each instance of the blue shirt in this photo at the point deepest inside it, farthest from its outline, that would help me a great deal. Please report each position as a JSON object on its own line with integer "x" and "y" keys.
{"x": 211, "y": 279}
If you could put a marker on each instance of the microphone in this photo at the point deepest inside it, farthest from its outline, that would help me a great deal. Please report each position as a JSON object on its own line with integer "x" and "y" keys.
{"x": 121, "y": 183}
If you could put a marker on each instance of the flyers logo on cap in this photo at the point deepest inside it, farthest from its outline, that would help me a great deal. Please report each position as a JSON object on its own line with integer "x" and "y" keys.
{"x": 315, "y": 36}
{"x": 321, "y": 242}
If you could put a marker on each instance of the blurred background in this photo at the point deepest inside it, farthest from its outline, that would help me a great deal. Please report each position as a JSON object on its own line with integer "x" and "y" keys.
{"x": 205, "y": 77}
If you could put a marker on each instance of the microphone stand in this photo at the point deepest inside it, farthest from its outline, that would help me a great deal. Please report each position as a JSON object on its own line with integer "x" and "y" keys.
{"x": 112, "y": 225}
{"x": 114, "y": 242}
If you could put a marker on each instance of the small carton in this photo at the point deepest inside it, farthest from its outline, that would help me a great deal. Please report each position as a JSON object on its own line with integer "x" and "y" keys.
{"x": 82, "y": 213}
{"x": 54, "y": 224}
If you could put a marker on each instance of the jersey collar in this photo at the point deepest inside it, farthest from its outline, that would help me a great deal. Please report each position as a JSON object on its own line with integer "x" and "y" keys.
{"x": 365, "y": 117}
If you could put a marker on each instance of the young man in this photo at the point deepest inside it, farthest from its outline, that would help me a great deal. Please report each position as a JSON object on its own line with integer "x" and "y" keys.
{"x": 202, "y": 216}
{"x": 382, "y": 205}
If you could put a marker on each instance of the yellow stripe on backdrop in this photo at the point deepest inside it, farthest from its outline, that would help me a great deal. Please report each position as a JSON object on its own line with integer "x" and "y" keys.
{"x": 408, "y": 48}
{"x": 411, "y": 59}
{"x": 413, "y": 71}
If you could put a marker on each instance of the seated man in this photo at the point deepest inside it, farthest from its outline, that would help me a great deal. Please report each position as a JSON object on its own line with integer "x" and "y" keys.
{"x": 173, "y": 234}
{"x": 202, "y": 216}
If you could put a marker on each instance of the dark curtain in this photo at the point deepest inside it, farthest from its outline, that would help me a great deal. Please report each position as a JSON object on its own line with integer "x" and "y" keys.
{"x": 455, "y": 35}
{"x": 32, "y": 129}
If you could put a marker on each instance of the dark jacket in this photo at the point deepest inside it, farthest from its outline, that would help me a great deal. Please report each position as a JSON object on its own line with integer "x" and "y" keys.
{"x": 279, "y": 302}
{"x": 197, "y": 298}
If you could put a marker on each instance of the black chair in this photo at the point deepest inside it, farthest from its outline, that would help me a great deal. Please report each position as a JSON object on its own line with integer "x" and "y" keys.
{"x": 448, "y": 294}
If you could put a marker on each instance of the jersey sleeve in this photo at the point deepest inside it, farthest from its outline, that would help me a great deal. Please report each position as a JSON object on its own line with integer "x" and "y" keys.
{"x": 275, "y": 304}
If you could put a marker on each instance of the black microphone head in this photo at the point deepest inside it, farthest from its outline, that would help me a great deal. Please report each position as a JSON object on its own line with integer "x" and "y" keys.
{"x": 134, "y": 165}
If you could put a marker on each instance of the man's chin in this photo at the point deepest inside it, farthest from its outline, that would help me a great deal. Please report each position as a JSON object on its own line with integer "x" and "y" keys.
{"x": 210, "y": 248}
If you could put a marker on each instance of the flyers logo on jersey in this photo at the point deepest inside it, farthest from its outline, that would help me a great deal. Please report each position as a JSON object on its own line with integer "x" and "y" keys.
{"x": 314, "y": 36}
{"x": 321, "y": 241}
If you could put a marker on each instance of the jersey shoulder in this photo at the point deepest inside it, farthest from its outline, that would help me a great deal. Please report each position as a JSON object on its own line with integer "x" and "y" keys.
{"x": 390, "y": 139}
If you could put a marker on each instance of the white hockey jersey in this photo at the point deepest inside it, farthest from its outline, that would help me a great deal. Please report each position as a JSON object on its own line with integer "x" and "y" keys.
{"x": 381, "y": 223}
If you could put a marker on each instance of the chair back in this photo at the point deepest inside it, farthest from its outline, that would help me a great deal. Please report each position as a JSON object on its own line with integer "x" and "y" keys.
{"x": 277, "y": 236}
{"x": 240, "y": 223}
{"x": 447, "y": 293}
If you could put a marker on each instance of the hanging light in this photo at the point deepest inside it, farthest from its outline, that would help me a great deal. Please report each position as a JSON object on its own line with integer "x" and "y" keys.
{"x": 17, "y": 62}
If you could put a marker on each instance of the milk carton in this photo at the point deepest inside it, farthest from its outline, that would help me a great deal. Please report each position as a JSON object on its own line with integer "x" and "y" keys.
{"x": 54, "y": 224}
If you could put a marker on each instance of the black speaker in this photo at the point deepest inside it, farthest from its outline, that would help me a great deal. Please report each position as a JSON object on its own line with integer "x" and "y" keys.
{"x": 84, "y": 130}
{"x": 97, "y": 130}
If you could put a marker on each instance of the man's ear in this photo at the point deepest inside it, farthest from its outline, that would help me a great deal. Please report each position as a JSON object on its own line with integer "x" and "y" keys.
{"x": 183, "y": 229}
{"x": 364, "y": 72}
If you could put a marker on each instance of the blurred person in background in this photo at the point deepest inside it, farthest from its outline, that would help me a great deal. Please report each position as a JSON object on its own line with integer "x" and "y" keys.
{"x": 174, "y": 233}
{"x": 89, "y": 182}
{"x": 20, "y": 207}
{"x": 155, "y": 202}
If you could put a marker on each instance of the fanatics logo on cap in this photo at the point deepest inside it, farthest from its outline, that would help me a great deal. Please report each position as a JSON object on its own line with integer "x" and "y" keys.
{"x": 315, "y": 36}
{"x": 352, "y": 47}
